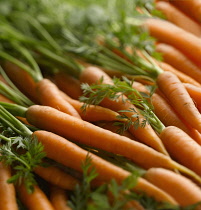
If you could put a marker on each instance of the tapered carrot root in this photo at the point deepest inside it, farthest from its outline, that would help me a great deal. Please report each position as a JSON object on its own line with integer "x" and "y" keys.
{"x": 22, "y": 80}
{"x": 177, "y": 17}
{"x": 8, "y": 199}
{"x": 56, "y": 177}
{"x": 68, "y": 84}
{"x": 145, "y": 134}
{"x": 49, "y": 95}
{"x": 182, "y": 148}
{"x": 182, "y": 189}
{"x": 58, "y": 198}
{"x": 92, "y": 113}
{"x": 179, "y": 98}
{"x": 36, "y": 200}
{"x": 57, "y": 148}
{"x": 179, "y": 61}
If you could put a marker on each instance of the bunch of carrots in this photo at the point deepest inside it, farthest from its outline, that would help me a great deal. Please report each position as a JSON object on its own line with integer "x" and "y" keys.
{"x": 92, "y": 118}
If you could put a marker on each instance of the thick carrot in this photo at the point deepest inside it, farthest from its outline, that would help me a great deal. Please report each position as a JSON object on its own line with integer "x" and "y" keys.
{"x": 70, "y": 155}
{"x": 165, "y": 31}
{"x": 145, "y": 134}
{"x": 36, "y": 200}
{"x": 179, "y": 61}
{"x": 179, "y": 98}
{"x": 48, "y": 94}
{"x": 68, "y": 84}
{"x": 7, "y": 191}
{"x": 92, "y": 113}
{"x": 59, "y": 198}
{"x": 57, "y": 177}
{"x": 176, "y": 16}
{"x": 182, "y": 189}
{"x": 80, "y": 131}
{"x": 182, "y": 148}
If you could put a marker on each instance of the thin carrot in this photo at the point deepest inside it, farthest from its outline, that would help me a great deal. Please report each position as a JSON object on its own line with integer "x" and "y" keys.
{"x": 59, "y": 198}
{"x": 165, "y": 31}
{"x": 176, "y": 16}
{"x": 48, "y": 94}
{"x": 36, "y": 200}
{"x": 5, "y": 99}
{"x": 68, "y": 84}
{"x": 57, "y": 147}
{"x": 182, "y": 148}
{"x": 57, "y": 177}
{"x": 179, "y": 61}
{"x": 182, "y": 189}
{"x": 8, "y": 199}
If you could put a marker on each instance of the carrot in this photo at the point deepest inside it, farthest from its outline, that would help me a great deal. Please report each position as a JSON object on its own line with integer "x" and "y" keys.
{"x": 7, "y": 191}
{"x": 36, "y": 200}
{"x": 179, "y": 61}
{"x": 182, "y": 148}
{"x": 182, "y": 189}
{"x": 49, "y": 94}
{"x": 50, "y": 119}
{"x": 145, "y": 134}
{"x": 57, "y": 177}
{"x": 68, "y": 84}
{"x": 184, "y": 41}
{"x": 92, "y": 113}
{"x": 70, "y": 155}
{"x": 178, "y": 96}
{"x": 176, "y": 16}
{"x": 58, "y": 198}
{"x": 5, "y": 99}
{"x": 191, "y": 8}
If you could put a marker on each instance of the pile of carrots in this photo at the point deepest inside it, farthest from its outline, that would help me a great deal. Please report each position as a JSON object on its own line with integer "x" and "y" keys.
{"x": 170, "y": 157}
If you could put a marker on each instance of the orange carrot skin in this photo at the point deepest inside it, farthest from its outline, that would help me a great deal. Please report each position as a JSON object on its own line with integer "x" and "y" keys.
{"x": 58, "y": 198}
{"x": 182, "y": 189}
{"x": 49, "y": 95}
{"x": 69, "y": 154}
{"x": 145, "y": 134}
{"x": 179, "y": 98}
{"x": 182, "y": 148}
{"x": 4, "y": 99}
{"x": 177, "y": 17}
{"x": 57, "y": 177}
{"x": 7, "y": 191}
{"x": 83, "y": 132}
{"x": 179, "y": 61}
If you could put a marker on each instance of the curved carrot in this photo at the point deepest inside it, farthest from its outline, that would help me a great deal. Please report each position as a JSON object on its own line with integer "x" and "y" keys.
{"x": 178, "y": 96}
{"x": 49, "y": 95}
{"x": 34, "y": 201}
{"x": 176, "y": 16}
{"x": 57, "y": 148}
{"x": 179, "y": 61}
{"x": 58, "y": 198}
{"x": 57, "y": 177}
{"x": 145, "y": 134}
{"x": 8, "y": 199}
{"x": 182, "y": 189}
{"x": 182, "y": 148}
{"x": 68, "y": 84}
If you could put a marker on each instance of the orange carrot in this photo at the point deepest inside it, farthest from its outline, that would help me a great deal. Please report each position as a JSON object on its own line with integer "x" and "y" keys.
{"x": 179, "y": 61}
{"x": 7, "y": 191}
{"x": 70, "y": 155}
{"x": 145, "y": 134}
{"x": 179, "y": 98}
{"x": 59, "y": 198}
{"x": 176, "y": 16}
{"x": 182, "y": 189}
{"x": 49, "y": 94}
{"x": 182, "y": 148}
{"x": 57, "y": 177}
{"x": 165, "y": 31}
{"x": 4, "y": 99}
{"x": 68, "y": 84}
